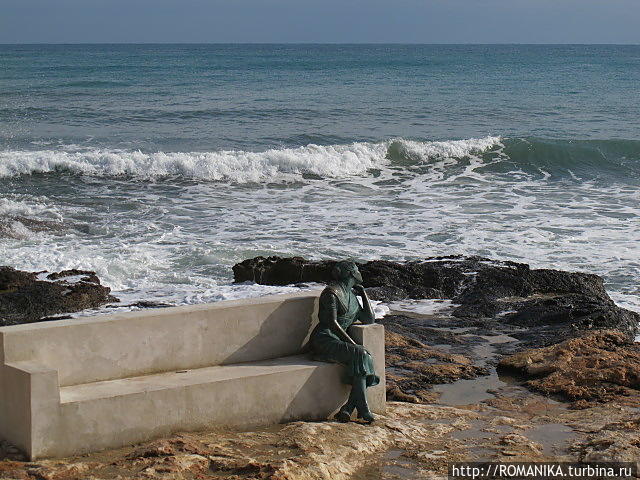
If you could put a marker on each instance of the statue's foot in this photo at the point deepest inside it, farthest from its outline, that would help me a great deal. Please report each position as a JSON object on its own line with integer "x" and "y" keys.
{"x": 365, "y": 414}
{"x": 344, "y": 414}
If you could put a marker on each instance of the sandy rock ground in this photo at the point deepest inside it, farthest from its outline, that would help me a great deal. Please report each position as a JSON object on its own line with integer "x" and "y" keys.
{"x": 410, "y": 441}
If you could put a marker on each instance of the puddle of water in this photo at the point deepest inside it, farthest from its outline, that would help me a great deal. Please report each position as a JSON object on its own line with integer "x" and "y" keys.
{"x": 484, "y": 351}
{"x": 454, "y": 329}
{"x": 391, "y": 466}
{"x": 474, "y": 390}
{"x": 472, "y": 436}
{"x": 465, "y": 392}
{"x": 554, "y": 437}
{"x": 496, "y": 339}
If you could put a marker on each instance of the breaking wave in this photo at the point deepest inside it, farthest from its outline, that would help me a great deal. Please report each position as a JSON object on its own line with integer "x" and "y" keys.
{"x": 286, "y": 164}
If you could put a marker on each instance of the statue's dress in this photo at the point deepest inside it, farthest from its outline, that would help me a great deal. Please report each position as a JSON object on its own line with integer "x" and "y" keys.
{"x": 326, "y": 346}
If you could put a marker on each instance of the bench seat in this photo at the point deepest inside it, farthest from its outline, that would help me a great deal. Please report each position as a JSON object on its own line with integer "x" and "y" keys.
{"x": 293, "y": 365}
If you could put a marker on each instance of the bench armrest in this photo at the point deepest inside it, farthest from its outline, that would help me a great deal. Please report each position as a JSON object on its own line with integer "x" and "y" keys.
{"x": 31, "y": 378}
{"x": 30, "y": 395}
{"x": 31, "y": 368}
{"x": 371, "y": 336}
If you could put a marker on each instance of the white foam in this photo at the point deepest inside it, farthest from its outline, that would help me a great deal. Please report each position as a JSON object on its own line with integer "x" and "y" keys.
{"x": 33, "y": 208}
{"x": 176, "y": 243}
{"x": 423, "y": 307}
{"x": 288, "y": 164}
{"x": 380, "y": 309}
{"x": 451, "y": 149}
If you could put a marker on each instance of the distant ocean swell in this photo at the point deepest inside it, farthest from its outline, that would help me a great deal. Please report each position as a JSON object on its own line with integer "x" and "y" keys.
{"x": 616, "y": 157}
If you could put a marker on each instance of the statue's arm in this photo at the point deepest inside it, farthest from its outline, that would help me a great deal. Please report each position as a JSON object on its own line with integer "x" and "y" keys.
{"x": 366, "y": 315}
{"x": 333, "y": 320}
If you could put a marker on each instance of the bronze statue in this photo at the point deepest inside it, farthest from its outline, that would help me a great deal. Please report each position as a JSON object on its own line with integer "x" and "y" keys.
{"x": 329, "y": 341}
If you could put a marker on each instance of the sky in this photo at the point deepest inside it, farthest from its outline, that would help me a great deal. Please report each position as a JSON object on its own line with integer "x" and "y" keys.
{"x": 320, "y": 21}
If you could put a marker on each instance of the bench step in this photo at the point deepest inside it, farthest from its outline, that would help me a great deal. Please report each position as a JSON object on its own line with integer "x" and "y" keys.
{"x": 114, "y": 413}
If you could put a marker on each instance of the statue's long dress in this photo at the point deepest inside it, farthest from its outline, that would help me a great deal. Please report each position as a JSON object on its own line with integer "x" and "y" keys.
{"x": 328, "y": 347}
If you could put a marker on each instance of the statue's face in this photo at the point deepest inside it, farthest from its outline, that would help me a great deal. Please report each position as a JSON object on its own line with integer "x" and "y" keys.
{"x": 356, "y": 274}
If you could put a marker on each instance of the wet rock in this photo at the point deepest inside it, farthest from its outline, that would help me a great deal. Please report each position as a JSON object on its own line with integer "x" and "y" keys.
{"x": 412, "y": 367}
{"x": 146, "y": 304}
{"x": 564, "y": 303}
{"x": 26, "y": 297}
{"x": 84, "y": 275}
{"x": 597, "y": 367}
{"x": 516, "y": 445}
{"x": 11, "y": 279}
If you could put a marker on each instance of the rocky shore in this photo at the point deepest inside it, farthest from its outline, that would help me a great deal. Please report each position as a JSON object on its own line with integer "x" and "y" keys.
{"x": 36, "y": 296}
{"x": 497, "y": 311}
{"x": 516, "y": 364}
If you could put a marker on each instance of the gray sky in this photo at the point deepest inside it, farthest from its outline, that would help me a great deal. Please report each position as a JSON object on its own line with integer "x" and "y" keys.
{"x": 320, "y": 21}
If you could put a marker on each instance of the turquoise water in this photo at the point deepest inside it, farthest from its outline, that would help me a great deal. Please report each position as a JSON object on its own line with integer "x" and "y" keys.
{"x": 210, "y": 97}
{"x": 159, "y": 166}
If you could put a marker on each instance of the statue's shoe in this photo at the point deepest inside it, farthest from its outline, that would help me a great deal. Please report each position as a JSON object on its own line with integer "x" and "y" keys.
{"x": 365, "y": 414}
{"x": 344, "y": 414}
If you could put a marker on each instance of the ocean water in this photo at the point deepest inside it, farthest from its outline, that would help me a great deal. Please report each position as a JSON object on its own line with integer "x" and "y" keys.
{"x": 160, "y": 166}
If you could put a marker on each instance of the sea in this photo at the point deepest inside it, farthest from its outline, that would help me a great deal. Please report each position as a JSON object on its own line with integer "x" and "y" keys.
{"x": 160, "y": 166}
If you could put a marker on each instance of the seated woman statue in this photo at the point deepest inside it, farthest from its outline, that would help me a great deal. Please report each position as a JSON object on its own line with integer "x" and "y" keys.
{"x": 329, "y": 341}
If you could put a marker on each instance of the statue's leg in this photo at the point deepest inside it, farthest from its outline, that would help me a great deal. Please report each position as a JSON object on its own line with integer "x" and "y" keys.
{"x": 359, "y": 390}
{"x": 344, "y": 414}
{"x": 358, "y": 363}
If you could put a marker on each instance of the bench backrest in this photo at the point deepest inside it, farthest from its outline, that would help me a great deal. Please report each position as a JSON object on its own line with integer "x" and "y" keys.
{"x": 108, "y": 347}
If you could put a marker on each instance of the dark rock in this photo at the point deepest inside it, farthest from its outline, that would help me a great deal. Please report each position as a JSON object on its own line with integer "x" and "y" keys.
{"x": 282, "y": 271}
{"x": 384, "y": 293}
{"x": 144, "y": 304}
{"x": 11, "y": 279}
{"x": 556, "y": 304}
{"x": 24, "y": 298}
{"x": 86, "y": 275}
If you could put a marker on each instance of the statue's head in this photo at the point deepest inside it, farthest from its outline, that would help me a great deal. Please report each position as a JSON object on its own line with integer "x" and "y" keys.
{"x": 346, "y": 269}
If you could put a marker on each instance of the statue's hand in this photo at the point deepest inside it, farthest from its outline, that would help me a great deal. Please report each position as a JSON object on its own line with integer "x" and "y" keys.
{"x": 359, "y": 289}
{"x": 361, "y": 349}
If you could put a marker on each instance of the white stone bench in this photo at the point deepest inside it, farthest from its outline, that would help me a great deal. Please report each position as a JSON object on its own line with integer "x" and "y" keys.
{"x": 80, "y": 385}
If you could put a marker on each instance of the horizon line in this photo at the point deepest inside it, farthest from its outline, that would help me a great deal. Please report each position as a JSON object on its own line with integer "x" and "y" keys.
{"x": 320, "y": 43}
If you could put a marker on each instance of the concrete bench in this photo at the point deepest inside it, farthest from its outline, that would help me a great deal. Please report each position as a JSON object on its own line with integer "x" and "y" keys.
{"x": 74, "y": 386}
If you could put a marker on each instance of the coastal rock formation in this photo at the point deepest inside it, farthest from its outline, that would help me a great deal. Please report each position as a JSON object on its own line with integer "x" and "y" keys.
{"x": 596, "y": 367}
{"x": 558, "y": 304}
{"x": 34, "y": 296}
{"x": 497, "y": 309}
